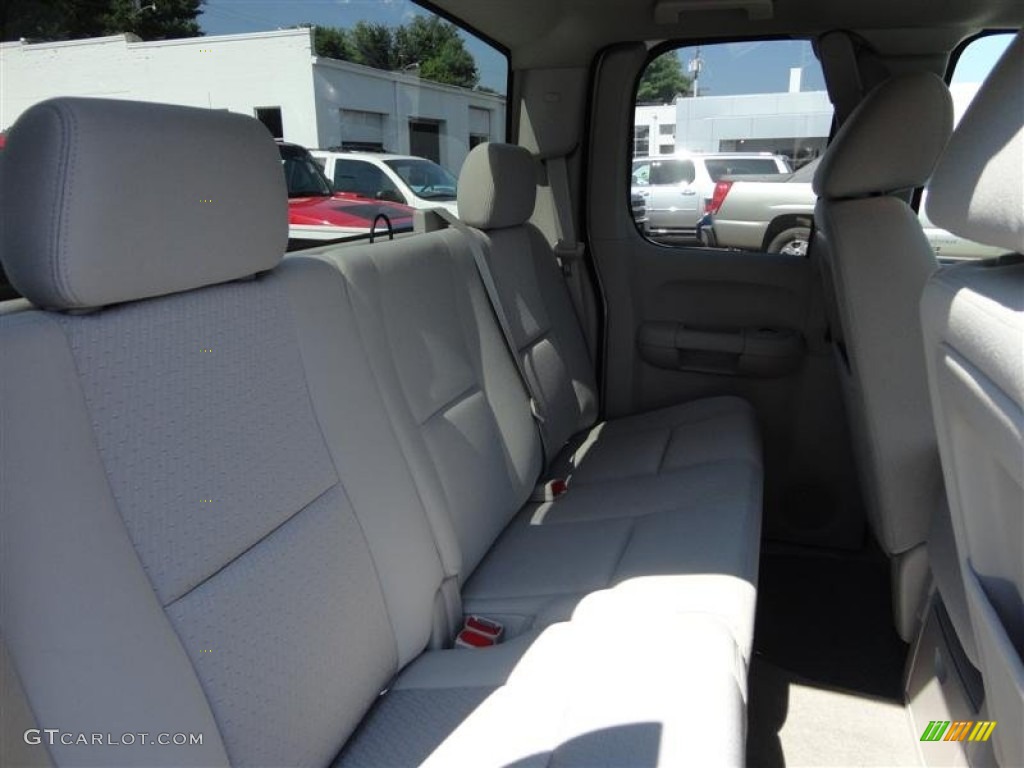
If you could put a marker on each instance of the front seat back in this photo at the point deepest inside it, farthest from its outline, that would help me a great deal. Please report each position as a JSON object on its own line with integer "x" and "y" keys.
{"x": 875, "y": 260}
{"x": 973, "y": 318}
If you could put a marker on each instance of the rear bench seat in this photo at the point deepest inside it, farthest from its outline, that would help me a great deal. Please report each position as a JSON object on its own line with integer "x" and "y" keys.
{"x": 679, "y": 533}
{"x": 242, "y": 498}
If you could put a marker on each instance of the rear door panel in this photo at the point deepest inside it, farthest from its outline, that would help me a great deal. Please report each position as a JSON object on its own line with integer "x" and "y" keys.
{"x": 741, "y": 323}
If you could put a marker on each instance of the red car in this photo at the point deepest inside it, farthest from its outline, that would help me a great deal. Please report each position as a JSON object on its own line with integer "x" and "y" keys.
{"x": 317, "y": 213}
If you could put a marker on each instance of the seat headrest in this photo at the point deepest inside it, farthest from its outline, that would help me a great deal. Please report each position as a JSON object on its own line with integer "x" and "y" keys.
{"x": 977, "y": 190}
{"x": 104, "y": 201}
{"x": 497, "y": 186}
{"x": 891, "y": 141}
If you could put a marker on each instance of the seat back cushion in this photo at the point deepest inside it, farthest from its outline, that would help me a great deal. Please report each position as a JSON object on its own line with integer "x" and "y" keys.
{"x": 451, "y": 385}
{"x": 875, "y": 260}
{"x": 203, "y": 556}
{"x": 973, "y": 318}
{"x": 547, "y": 333}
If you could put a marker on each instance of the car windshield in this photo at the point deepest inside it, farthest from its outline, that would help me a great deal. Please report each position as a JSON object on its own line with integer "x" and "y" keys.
{"x": 805, "y": 173}
{"x": 425, "y": 178}
{"x": 302, "y": 174}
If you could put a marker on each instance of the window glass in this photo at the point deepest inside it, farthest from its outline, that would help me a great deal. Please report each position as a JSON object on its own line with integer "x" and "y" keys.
{"x": 427, "y": 180}
{"x": 733, "y": 121}
{"x": 672, "y": 172}
{"x": 641, "y": 140}
{"x": 973, "y": 66}
{"x": 362, "y": 178}
{"x": 385, "y": 76}
{"x": 303, "y": 175}
{"x": 740, "y": 166}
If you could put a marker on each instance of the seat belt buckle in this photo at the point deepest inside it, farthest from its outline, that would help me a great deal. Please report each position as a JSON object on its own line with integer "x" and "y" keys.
{"x": 535, "y": 411}
{"x": 550, "y": 490}
{"x": 479, "y": 632}
{"x": 568, "y": 254}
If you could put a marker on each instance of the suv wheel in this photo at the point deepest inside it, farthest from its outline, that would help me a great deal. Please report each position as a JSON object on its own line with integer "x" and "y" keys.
{"x": 791, "y": 242}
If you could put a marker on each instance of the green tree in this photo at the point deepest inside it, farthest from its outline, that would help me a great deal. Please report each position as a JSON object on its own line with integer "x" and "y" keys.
{"x": 429, "y": 45}
{"x": 373, "y": 45}
{"x": 154, "y": 19}
{"x": 663, "y": 80}
{"x": 333, "y": 43}
{"x": 75, "y": 19}
{"x": 438, "y": 49}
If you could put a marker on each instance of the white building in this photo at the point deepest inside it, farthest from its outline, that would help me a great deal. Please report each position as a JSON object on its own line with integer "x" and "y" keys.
{"x": 795, "y": 123}
{"x": 274, "y": 76}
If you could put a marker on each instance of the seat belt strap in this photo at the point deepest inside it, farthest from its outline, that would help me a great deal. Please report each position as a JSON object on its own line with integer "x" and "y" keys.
{"x": 558, "y": 178}
{"x": 486, "y": 276}
{"x": 568, "y": 250}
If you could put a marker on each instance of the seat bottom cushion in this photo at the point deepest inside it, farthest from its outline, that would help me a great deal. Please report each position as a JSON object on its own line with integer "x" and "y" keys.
{"x": 663, "y": 440}
{"x": 686, "y": 540}
{"x": 585, "y": 692}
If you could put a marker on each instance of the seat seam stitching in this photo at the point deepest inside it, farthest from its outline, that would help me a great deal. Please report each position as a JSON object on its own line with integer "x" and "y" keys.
{"x": 285, "y": 297}
{"x": 664, "y": 451}
{"x": 625, "y": 548}
{"x": 461, "y": 397}
{"x": 256, "y": 543}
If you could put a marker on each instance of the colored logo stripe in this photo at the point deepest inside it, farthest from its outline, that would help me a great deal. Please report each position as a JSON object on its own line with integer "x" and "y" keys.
{"x": 958, "y": 730}
{"x": 983, "y": 730}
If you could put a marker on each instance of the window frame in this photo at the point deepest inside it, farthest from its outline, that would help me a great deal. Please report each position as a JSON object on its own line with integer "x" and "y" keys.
{"x": 688, "y": 42}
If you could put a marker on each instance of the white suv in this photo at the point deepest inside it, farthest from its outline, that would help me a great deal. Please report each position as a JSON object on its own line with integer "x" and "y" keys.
{"x": 678, "y": 187}
{"x": 413, "y": 181}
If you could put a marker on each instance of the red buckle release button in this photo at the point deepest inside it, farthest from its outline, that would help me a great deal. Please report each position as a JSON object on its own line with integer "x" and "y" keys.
{"x": 468, "y": 638}
{"x": 485, "y": 626}
{"x": 550, "y": 490}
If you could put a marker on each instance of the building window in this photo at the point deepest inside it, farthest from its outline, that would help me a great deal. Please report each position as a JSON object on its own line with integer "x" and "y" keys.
{"x": 479, "y": 126}
{"x": 425, "y": 139}
{"x": 271, "y": 117}
{"x": 641, "y": 141}
{"x": 362, "y": 131}
{"x": 667, "y": 129}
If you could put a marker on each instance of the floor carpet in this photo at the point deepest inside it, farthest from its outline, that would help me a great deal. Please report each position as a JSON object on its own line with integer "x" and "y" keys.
{"x": 826, "y": 679}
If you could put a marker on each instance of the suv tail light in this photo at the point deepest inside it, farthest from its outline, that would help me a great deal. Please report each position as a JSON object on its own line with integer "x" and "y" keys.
{"x": 718, "y": 196}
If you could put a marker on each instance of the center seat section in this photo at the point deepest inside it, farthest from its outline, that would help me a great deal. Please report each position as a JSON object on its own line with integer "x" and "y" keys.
{"x": 681, "y": 538}
{"x": 497, "y": 194}
{"x": 207, "y": 521}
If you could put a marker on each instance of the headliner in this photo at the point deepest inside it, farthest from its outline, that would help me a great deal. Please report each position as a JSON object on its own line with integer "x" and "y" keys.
{"x": 552, "y": 33}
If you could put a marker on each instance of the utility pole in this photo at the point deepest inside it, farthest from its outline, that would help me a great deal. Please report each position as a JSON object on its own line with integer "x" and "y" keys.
{"x": 695, "y": 66}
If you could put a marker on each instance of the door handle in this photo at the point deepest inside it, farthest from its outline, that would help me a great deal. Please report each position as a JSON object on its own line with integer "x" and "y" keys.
{"x": 757, "y": 352}
{"x": 688, "y": 192}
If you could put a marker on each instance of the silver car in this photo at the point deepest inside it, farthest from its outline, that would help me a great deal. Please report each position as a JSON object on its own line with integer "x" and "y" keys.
{"x": 677, "y": 187}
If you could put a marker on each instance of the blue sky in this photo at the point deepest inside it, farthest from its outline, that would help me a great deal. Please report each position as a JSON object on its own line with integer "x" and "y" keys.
{"x": 729, "y": 68}
{"x": 979, "y": 57}
{"x": 761, "y": 66}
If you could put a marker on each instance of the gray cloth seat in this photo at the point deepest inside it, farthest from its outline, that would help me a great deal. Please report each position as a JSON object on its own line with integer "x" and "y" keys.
{"x": 464, "y": 420}
{"x": 215, "y": 518}
{"x": 973, "y": 322}
{"x": 875, "y": 260}
{"x": 693, "y": 434}
{"x": 497, "y": 192}
{"x": 577, "y": 694}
